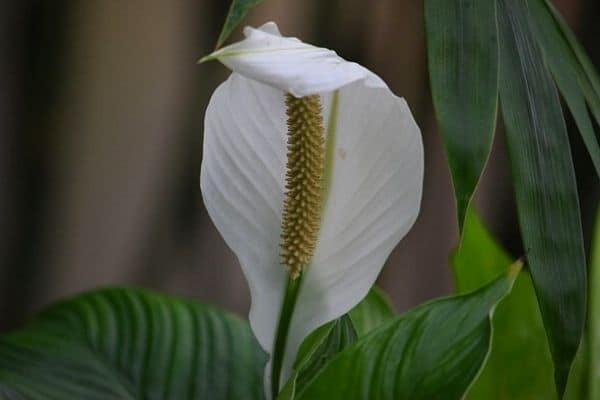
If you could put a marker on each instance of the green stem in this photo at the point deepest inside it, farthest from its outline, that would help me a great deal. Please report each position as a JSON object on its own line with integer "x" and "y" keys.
{"x": 287, "y": 310}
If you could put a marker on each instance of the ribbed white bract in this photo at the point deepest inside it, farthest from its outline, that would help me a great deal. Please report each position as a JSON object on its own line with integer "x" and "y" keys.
{"x": 375, "y": 179}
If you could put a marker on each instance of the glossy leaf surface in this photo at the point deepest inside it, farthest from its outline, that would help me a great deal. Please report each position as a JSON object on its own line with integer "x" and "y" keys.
{"x": 326, "y": 341}
{"x": 432, "y": 352}
{"x": 131, "y": 344}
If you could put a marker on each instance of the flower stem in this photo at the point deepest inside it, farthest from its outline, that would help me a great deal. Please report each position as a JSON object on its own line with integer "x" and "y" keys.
{"x": 287, "y": 310}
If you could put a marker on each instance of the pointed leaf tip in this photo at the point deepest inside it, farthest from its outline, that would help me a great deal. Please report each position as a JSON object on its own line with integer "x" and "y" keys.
{"x": 209, "y": 57}
{"x": 237, "y": 12}
{"x": 514, "y": 269}
{"x": 462, "y": 50}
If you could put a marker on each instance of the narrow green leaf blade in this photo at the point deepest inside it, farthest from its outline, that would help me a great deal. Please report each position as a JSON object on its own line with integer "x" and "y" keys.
{"x": 432, "y": 352}
{"x": 593, "y": 80}
{"x": 132, "y": 344}
{"x": 545, "y": 188}
{"x": 518, "y": 329}
{"x": 568, "y": 73}
{"x": 237, "y": 12}
{"x": 462, "y": 51}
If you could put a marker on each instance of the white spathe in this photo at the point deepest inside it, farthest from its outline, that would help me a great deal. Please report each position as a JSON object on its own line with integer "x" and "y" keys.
{"x": 289, "y": 64}
{"x": 374, "y": 192}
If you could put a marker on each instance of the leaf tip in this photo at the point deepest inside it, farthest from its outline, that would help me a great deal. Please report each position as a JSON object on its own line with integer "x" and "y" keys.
{"x": 463, "y": 211}
{"x": 219, "y": 43}
{"x": 514, "y": 269}
{"x": 561, "y": 375}
{"x": 206, "y": 58}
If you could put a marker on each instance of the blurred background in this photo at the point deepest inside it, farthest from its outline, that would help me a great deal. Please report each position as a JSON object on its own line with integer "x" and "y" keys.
{"x": 101, "y": 114}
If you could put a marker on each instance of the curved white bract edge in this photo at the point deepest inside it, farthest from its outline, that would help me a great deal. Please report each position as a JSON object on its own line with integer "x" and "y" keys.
{"x": 374, "y": 197}
{"x": 291, "y": 65}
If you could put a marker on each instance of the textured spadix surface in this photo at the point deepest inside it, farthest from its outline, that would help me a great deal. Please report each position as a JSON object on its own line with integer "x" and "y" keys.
{"x": 304, "y": 182}
{"x": 374, "y": 176}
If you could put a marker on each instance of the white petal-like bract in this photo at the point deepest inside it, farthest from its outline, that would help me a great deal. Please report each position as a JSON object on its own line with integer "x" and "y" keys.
{"x": 375, "y": 176}
{"x": 373, "y": 201}
{"x": 242, "y": 182}
{"x": 291, "y": 65}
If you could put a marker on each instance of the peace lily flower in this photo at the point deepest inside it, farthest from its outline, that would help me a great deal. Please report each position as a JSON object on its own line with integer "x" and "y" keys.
{"x": 312, "y": 173}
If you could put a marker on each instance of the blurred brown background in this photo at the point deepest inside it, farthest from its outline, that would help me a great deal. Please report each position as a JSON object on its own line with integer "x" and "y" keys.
{"x": 101, "y": 110}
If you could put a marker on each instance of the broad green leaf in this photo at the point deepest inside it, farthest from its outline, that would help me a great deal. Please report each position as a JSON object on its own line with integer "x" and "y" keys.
{"x": 313, "y": 341}
{"x": 373, "y": 311}
{"x": 593, "y": 323}
{"x": 518, "y": 330}
{"x": 237, "y": 11}
{"x": 568, "y": 73}
{"x": 309, "y": 350}
{"x": 462, "y": 51}
{"x": 432, "y": 352}
{"x": 545, "y": 188}
{"x": 341, "y": 335}
{"x": 131, "y": 344}
{"x": 319, "y": 349}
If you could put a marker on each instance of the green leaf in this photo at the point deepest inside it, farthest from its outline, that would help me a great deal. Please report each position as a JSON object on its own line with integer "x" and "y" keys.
{"x": 326, "y": 341}
{"x": 576, "y": 385}
{"x": 462, "y": 51}
{"x": 545, "y": 188}
{"x": 593, "y": 329}
{"x": 518, "y": 330}
{"x": 131, "y": 344}
{"x": 479, "y": 258}
{"x": 568, "y": 73}
{"x": 341, "y": 335}
{"x": 589, "y": 81}
{"x": 432, "y": 352}
{"x": 371, "y": 312}
{"x": 237, "y": 11}
{"x": 308, "y": 349}
{"x": 318, "y": 350}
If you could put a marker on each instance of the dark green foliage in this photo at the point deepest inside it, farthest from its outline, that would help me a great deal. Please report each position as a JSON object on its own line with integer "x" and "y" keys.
{"x": 237, "y": 12}
{"x": 131, "y": 344}
{"x": 544, "y": 181}
{"x": 462, "y": 49}
{"x": 432, "y": 352}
